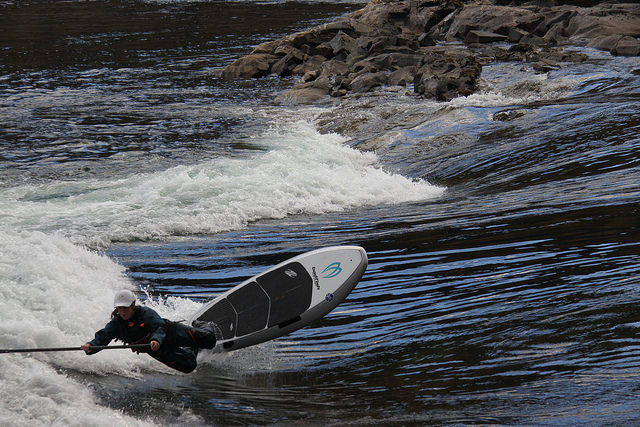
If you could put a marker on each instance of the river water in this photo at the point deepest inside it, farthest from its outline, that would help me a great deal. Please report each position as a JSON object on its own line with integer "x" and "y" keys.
{"x": 502, "y": 228}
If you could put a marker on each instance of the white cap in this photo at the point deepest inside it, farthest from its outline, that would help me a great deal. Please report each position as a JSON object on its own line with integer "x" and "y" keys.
{"x": 124, "y": 298}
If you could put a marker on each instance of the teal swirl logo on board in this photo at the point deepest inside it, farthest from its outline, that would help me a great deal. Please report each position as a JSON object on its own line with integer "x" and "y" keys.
{"x": 331, "y": 271}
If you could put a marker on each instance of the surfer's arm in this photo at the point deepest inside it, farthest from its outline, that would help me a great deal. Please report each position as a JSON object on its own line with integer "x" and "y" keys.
{"x": 102, "y": 337}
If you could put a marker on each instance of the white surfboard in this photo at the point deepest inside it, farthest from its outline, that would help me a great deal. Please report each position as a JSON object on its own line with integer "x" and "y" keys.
{"x": 285, "y": 297}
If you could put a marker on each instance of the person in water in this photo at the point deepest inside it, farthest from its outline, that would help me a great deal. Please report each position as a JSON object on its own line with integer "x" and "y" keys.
{"x": 172, "y": 343}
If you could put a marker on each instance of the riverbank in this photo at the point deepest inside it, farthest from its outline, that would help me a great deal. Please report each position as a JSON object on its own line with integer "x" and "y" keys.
{"x": 438, "y": 47}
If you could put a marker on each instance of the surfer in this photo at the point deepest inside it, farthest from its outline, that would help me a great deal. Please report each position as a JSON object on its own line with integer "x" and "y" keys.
{"x": 172, "y": 343}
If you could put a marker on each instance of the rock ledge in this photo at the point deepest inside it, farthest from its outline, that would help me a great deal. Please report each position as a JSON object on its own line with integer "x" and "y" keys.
{"x": 438, "y": 46}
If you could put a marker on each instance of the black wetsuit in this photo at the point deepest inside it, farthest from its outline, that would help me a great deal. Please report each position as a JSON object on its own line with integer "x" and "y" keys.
{"x": 178, "y": 343}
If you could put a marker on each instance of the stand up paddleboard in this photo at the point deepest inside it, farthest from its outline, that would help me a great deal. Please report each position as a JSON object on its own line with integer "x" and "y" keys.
{"x": 284, "y": 298}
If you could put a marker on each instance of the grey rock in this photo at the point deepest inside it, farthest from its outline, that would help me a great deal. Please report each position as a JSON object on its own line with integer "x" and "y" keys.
{"x": 367, "y": 81}
{"x": 395, "y": 42}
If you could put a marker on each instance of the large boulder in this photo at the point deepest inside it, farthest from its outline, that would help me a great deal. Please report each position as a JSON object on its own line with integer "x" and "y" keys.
{"x": 256, "y": 65}
{"x": 447, "y": 73}
{"x": 627, "y": 46}
{"x": 367, "y": 81}
{"x": 617, "y": 44}
{"x": 489, "y": 18}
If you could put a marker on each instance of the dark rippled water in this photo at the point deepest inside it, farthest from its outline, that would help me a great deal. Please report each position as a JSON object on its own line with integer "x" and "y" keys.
{"x": 508, "y": 294}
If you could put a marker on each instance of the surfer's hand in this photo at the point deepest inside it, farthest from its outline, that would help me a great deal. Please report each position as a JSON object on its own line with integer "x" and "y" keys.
{"x": 155, "y": 345}
{"x": 86, "y": 347}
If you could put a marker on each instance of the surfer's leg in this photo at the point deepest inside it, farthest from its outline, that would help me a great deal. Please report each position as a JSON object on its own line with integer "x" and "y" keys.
{"x": 182, "y": 359}
{"x": 201, "y": 335}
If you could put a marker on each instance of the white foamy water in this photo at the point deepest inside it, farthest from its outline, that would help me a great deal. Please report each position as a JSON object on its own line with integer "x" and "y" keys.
{"x": 56, "y": 294}
{"x": 300, "y": 171}
{"x": 34, "y": 394}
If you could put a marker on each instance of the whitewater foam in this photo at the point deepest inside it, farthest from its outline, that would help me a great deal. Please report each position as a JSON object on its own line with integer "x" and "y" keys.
{"x": 301, "y": 172}
{"x": 56, "y": 294}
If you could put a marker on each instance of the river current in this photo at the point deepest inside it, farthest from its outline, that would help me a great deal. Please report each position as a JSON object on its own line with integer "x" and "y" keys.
{"x": 502, "y": 228}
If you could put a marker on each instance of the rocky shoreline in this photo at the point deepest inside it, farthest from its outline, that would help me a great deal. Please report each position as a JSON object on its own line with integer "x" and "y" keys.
{"x": 438, "y": 46}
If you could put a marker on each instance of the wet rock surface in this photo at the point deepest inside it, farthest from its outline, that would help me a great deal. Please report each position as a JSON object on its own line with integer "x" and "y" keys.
{"x": 437, "y": 46}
